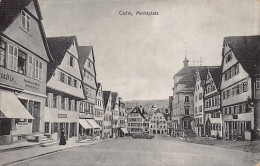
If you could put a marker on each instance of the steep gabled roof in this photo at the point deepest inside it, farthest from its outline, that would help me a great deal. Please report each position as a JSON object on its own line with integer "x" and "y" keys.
{"x": 114, "y": 97}
{"x": 203, "y": 72}
{"x": 58, "y": 47}
{"x": 10, "y": 9}
{"x": 138, "y": 110}
{"x": 185, "y": 70}
{"x": 84, "y": 54}
{"x": 106, "y": 95}
{"x": 247, "y": 51}
{"x": 216, "y": 75}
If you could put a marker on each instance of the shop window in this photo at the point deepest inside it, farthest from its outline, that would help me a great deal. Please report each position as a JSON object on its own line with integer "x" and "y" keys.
{"x": 47, "y": 127}
{"x": 5, "y": 126}
{"x": 22, "y": 57}
{"x": 12, "y": 57}
{"x": 2, "y": 53}
{"x": 25, "y": 22}
{"x": 248, "y": 125}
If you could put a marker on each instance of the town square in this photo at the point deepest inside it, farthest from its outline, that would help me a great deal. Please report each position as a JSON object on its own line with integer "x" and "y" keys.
{"x": 120, "y": 82}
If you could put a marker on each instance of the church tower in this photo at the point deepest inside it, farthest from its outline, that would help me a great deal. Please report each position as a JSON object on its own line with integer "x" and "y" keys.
{"x": 186, "y": 61}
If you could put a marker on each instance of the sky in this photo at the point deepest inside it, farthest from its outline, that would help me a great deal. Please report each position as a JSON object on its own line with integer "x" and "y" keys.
{"x": 137, "y": 56}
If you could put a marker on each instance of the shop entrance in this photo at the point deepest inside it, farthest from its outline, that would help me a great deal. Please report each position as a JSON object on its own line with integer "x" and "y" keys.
{"x": 36, "y": 115}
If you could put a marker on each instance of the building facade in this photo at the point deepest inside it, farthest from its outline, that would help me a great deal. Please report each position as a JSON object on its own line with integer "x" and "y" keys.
{"x": 122, "y": 118}
{"x": 64, "y": 89}
{"x": 24, "y": 55}
{"x": 115, "y": 113}
{"x": 213, "y": 115}
{"x": 182, "y": 100}
{"x": 239, "y": 87}
{"x": 198, "y": 101}
{"x": 108, "y": 116}
{"x": 89, "y": 86}
{"x": 158, "y": 123}
{"x": 137, "y": 121}
{"x": 99, "y": 109}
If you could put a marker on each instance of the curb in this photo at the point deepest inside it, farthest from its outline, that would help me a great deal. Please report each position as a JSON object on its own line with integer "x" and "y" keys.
{"x": 19, "y": 148}
{"x": 44, "y": 154}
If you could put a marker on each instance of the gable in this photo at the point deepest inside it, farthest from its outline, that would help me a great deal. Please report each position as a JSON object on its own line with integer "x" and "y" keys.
{"x": 34, "y": 41}
{"x": 91, "y": 56}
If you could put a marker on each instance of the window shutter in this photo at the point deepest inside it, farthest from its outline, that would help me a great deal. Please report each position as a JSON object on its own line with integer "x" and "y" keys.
{"x": 78, "y": 106}
{"x": 50, "y": 98}
{"x": 58, "y": 75}
{"x": 59, "y": 102}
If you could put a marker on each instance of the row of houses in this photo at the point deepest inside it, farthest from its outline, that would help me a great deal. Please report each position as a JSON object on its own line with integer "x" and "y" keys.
{"x": 147, "y": 120}
{"x": 48, "y": 84}
{"x": 220, "y": 101}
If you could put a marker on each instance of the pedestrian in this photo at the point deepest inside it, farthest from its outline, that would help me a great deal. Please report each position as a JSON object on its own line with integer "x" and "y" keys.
{"x": 62, "y": 138}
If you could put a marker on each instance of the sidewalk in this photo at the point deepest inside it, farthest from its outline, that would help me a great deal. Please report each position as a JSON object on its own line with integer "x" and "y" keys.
{"x": 14, "y": 156}
{"x": 247, "y": 146}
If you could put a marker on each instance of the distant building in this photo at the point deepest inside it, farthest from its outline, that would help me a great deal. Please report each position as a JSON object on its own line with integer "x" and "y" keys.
{"x": 183, "y": 103}
{"x": 99, "y": 109}
{"x": 158, "y": 123}
{"x": 122, "y": 118}
{"x": 115, "y": 113}
{"x": 240, "y": 87}
{"x": 199, "y": 114}
{"x": 108, "y": 116}
{"x": 138, "y": 121}
{"x": 213, "y": 115}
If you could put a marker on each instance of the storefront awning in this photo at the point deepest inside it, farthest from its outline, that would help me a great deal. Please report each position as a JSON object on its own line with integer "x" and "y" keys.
{"x": 11, "y": 107}
{"x": 93, "y": 123}
{"x": 124, "y": 130}
{"x": 85, "y": 124}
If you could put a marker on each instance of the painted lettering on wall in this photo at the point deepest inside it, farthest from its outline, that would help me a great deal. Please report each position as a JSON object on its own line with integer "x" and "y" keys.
{"x": 7, "y": 77}
{"x": 30, "y": 84}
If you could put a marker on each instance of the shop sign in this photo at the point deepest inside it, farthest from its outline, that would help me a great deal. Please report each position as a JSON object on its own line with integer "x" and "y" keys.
{"x": 62, "y": 115}
{"x": 21, "y": 81}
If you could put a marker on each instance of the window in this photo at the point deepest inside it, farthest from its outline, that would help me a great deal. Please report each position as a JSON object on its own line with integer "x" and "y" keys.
{"x": 47, "y": 127}
{"x": 200, "y": 96}
{"x": 12, "y": 57}
{"x": 258, "y": 83}
{"x": 229, "y": 57}
{"x": 200, "y": 109}
{"x": 69, "y": 81}
{"x": 186, "y": 98}
{"x": 25, "y": 22}
{"x": 75, "y": 83}
{"x": 244, "y": 86}
{"x": 62, "y": 103}
{"x": 22, "y": 57}
{"x": 38, "y": 70}
{"x": 30, "y": 65}
{"x": 2, "y": 53}
{"x": 71, "y": 61}
{"x": 62, "y": 77}
{"x": 54, "y": 101}
{"x": 186, "y": 111}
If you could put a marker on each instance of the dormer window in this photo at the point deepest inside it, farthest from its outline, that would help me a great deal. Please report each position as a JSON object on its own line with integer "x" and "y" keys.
{"x": 229, "y": 57}
{"x": 25, "y": 22}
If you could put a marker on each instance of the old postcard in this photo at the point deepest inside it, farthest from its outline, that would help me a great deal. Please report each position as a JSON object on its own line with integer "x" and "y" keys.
{"x": 130, "y": 82}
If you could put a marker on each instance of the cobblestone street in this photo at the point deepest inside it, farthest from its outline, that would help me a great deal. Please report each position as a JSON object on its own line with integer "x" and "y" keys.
{"x": 158, "y": 151}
